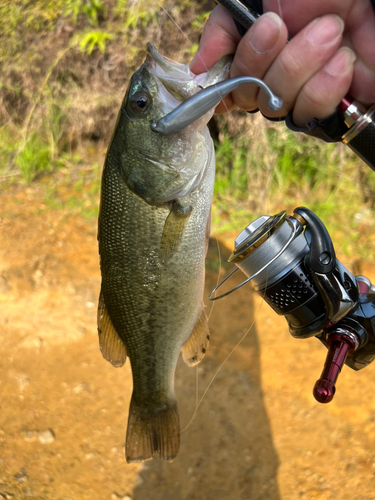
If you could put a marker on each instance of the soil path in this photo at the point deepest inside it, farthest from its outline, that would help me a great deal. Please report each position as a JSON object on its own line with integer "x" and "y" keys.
{"x": 257, "y": 435}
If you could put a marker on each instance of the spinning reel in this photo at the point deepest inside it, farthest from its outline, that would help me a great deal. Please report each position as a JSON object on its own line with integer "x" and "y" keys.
{"x": 292, "y": 263}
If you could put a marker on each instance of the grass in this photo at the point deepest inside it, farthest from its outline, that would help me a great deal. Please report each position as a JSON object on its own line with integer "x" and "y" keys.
{"x": 76, "y": 192}
{"x": 65, "y": 65}
{"x": 262, "y": 168}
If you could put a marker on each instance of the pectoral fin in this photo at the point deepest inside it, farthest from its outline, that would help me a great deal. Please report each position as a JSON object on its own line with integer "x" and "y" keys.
{"x": 173, "y": 229}
{"x": 111, "y": 346}
{"x": 195, "y": 347}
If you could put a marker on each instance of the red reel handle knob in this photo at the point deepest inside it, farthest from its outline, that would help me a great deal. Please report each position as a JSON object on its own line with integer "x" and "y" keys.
{"x": 340, "y": 346}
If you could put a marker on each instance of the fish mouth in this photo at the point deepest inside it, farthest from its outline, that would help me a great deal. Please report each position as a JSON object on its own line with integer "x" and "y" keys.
{"x": 176, "y": 82}
{"x": 166, "y": 65}
{"x": 175, "y": 78}
{"x": 170, "y": 71}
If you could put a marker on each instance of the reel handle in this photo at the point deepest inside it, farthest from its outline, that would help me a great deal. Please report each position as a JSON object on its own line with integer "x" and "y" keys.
{"x": 341, "y": 343}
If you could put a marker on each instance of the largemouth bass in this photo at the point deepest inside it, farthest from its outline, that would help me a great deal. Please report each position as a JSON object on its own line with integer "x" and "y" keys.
{"x": 153, "y": 231}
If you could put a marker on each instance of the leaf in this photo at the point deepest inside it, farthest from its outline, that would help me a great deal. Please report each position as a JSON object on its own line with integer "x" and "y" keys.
{"x": 94, "y": 39}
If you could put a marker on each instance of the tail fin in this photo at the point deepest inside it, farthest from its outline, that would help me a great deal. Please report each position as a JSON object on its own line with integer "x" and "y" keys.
{"x": 151, "y": 431}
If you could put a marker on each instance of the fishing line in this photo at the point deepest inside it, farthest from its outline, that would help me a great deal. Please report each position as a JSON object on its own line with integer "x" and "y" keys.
{"x": 218, "y": 276}
{"x": 256, "y": 315}
{"x": 196, "y": 387}
{"x": 175, "y": 22}
{"x": 198, "y": 402}
{"x": 221, "y": 366}
{"x": 188, "y": 39}
{"x": 280, "y": 11}
{"x": 208, "y": 319}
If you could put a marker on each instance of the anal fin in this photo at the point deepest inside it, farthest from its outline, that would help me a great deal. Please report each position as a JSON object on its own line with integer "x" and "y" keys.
{"x": 111, "y": 345}
{"x": 195, "y": 347}
{"x": 173, "y": 228}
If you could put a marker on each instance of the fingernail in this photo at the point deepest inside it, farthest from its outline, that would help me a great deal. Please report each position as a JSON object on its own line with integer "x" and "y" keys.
{"x": 265, "y": 33}
{"x": 325, "y": 30}
{"x": 341, "y": 63}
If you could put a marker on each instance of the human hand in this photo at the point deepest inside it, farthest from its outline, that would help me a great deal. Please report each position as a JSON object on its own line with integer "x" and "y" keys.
{"x": 313, "y": 72}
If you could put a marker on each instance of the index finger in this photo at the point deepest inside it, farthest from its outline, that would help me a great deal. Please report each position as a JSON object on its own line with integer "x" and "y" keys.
{"x": 219, "y": 38}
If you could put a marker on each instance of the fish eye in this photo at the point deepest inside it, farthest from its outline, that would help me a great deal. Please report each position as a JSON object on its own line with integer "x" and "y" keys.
{"x": 140, "y": 102}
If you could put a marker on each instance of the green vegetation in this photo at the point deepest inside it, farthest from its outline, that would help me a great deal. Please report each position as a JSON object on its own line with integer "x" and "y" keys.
{"x": 262, "y": 168}
{"x": 92, "y": 9}
{"x": 65, "y": 67}
{"x": 94, "y": 39}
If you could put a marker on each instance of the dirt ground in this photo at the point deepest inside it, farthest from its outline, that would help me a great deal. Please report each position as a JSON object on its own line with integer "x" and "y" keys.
{"x": 257, "y": 435}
